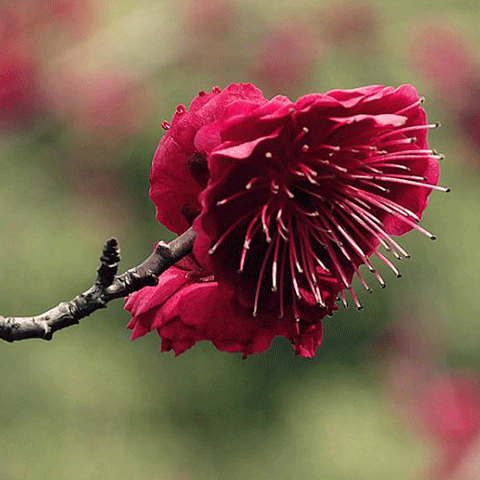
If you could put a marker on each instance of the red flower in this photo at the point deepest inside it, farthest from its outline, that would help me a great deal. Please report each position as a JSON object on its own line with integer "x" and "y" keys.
{"x": 179, "y": 170}
{"x": 188, "y": 306}
{"x": 300, "y": 194}
{"x": 294, "y": 197}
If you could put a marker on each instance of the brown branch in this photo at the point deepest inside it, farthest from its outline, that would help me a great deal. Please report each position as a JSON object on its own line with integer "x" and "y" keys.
{"x": 107, "y": 287}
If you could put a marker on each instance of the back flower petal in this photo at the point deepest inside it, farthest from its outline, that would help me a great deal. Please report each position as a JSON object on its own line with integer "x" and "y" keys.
{"x": 179, "y": 168}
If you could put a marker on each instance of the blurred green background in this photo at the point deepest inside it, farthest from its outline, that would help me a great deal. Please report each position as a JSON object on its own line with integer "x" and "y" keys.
{"x": 80, "y": 119}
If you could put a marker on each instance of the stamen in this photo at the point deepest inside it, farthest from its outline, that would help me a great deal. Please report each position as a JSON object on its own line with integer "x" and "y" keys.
{"x": 304, "y": 212}
{"x": 367, "y": 241}
{"x": 343, "y": 298}
{"x": 352, "y": 213}
{"x": 401, "y": 141}
{"x": 377, "y": 226}
{"x": 362, "y": 280}
{"x": 274, "y": 265}
{"x": 393, "y": 165}
{"x": 293, "y": 250}
{"x": 228, "y": 231}
{"x": 375, "y": 185}
{"x": 408, "y": 129}
{"x": 309, "y": 267}
{"x": 339, "y": 272}
{"x": 231, "y": 197}
{"x": 264, "y": 223}
{"x": 282, "y": 276}
{"x": 412, "y": 105}
{"x": 389, "y": 264}
{"x": 335, "y": 148}
{"x": 355, "y": 300}
{"x": 313, "y": 194}
{"x": 396, "y": 179}
{"x": 252, "y": 229}
{"x": 308, "y": 172}
{"x": 260, "y": 280}
{"x": 339, "y": 168}
{"x": 280, "y": 221}
{"x": 350, "y": 240}
{"x": 297, "y": 326}
{"x": 381, "y": 202}
{"x": 380, "y": 279}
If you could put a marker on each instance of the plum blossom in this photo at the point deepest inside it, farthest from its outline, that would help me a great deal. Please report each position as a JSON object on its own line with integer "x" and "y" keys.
{"x": 288, "y": 200}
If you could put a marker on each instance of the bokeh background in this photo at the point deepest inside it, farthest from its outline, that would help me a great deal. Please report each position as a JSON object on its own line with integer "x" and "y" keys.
{"x": 393, "y": 392}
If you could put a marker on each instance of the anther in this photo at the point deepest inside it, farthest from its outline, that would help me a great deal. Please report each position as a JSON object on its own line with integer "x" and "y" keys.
{"x": 268, "y": 154}
{"x": 216, "y": 90}
{"x": 166, "y": 125}
{"x": 305, "y": 148}
{"x": 180, "y": 109}
{"x": 305, "y": 129}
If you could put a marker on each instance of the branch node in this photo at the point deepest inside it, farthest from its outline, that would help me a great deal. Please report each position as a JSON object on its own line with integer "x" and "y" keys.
{"x": 151, "y": 279}
{"x": 109, "y": 260}
{"x": 5, "y": 329}
{"x": 48, "y": 335}
{"x": 164, "y": 251}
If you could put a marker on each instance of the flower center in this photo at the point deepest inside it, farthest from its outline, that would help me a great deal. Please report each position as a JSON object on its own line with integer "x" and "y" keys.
{"x": 323, "y": 216}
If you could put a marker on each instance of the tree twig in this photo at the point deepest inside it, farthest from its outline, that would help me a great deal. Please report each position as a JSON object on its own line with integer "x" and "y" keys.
{"x": 108, "y": 286}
